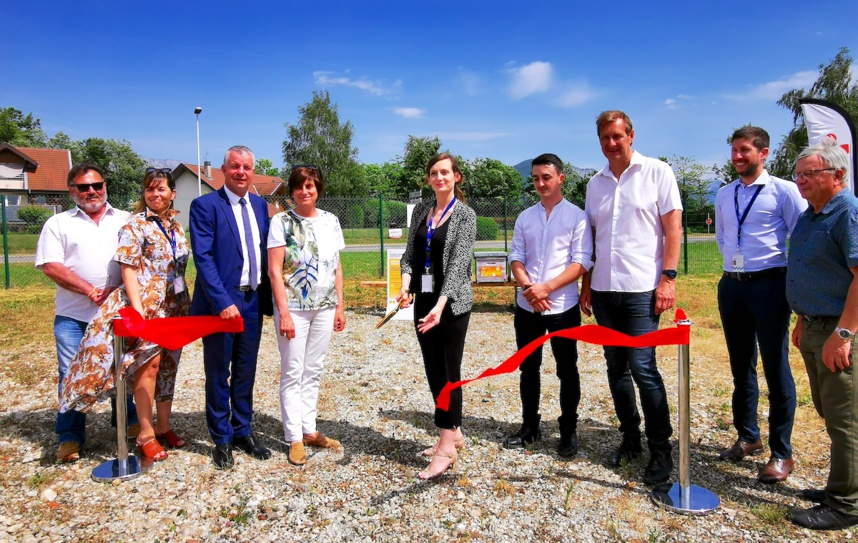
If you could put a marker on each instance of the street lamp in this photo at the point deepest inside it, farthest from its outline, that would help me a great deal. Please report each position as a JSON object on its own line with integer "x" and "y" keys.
{"x": 197, "y": 111}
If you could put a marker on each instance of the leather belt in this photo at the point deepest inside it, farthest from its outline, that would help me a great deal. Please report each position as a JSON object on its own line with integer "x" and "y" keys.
{"x": 751, "y": 276}
{"x": 808, "y": 318}
{"x": 243, "y": 288}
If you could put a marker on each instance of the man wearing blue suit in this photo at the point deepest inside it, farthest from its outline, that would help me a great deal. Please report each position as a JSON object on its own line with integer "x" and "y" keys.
{"x": 228, "y": 230}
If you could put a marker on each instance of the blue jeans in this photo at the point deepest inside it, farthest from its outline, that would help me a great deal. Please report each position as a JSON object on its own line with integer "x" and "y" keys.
{"x": 71, "y": 425}
{"x": 633, "y": 313}
{"x": 755, "y": 312}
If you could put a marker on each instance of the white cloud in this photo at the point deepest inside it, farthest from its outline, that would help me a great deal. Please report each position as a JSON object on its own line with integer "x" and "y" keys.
{"x": 773, "y": 90}
{"x": 409, "y": 112}
{"x": 572, "y": 95}
{"x": 670, "y": 103}
{"x": 533, "y": 78}
{"x": 470, "y": 82}
{"x": 674, "y": 103}
{"x": 363, "y": 83}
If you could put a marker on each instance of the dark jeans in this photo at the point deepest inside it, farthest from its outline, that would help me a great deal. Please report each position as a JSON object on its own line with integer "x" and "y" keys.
{"x": 758, "y": 312}
{"x": 442, "y": 348}
{"x": 530, "y": 326}
{"x": 633, "y": 313}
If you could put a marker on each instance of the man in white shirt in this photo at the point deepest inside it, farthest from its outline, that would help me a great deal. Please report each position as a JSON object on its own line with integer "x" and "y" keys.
{"x": 753, "y": 217}
{"x": 635, "y": 210}
{"x": 552, "y": 247}
{"x": 74, "y": 250}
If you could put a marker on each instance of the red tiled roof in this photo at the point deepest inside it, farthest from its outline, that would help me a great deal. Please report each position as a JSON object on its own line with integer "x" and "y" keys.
{"x": 52, "y": 170}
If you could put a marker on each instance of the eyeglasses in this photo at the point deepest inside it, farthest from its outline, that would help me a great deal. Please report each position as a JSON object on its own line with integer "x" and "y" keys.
{"x": 811, "y": 174}
{"x": 83, "y": 188}
{"x": 167, "y": 172}
{"x": 310, "y": 166}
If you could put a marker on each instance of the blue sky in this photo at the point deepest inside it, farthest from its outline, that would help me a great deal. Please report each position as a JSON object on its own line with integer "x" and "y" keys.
{"x": 499, "y": 79}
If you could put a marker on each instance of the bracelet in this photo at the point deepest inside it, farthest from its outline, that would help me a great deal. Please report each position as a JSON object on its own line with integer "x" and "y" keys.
{"x": 94, "y": 290}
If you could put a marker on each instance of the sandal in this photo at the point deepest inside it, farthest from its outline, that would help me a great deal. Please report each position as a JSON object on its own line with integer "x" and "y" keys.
{"x": 427, "y": 475}
{"x": 433, "y": 450}
{"x": 172, "y": 439}
{"x": 152, "y": 450}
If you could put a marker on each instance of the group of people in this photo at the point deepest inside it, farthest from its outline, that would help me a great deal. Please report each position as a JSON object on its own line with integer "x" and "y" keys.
{"x": 624, "y": 247}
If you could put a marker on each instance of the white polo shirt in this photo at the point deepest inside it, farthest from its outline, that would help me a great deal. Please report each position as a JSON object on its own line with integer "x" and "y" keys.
{"x": 74, "y": 240}
{"x": 626, "y": 215}
{"x": 548, "y": 245}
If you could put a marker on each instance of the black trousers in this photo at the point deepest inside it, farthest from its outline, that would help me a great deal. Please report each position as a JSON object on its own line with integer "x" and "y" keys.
{"x": 530, "y": 326}
{"x": 442, "y": 348}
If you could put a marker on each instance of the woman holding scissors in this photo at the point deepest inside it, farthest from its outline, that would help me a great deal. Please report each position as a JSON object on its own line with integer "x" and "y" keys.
{"x": 436, "y": 267}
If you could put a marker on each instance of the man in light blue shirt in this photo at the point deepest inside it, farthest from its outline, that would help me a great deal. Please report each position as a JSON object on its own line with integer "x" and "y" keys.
{"x": 552, "y": 246}
{"x": 753, "y": 217}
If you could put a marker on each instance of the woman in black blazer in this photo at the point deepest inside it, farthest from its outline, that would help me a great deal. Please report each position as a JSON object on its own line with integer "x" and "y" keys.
{"x": 437, "y": 267}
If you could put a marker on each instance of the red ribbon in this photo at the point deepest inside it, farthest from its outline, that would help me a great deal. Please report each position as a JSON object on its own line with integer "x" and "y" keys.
{"x": 172, "y": 332}
{"x": 590, "y": 333}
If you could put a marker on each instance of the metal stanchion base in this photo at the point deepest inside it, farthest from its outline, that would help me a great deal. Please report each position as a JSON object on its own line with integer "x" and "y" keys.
{"x": 699, "y": 501}
{"x": 113, "y": 470}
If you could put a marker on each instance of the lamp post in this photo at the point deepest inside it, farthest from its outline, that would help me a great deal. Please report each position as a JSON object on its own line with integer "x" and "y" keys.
{"x": 197, "y": 111}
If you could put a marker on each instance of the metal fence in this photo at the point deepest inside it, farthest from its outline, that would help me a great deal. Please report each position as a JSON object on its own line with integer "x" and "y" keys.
{"x": 370, "y": 226}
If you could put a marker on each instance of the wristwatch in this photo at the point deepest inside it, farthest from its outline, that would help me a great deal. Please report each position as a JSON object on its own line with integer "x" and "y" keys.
{"x": 671, "y": 274}
{"x": 844, "y": 333}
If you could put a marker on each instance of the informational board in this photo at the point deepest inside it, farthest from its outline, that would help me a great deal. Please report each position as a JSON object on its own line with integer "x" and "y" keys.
{"x": 394, "y": 283}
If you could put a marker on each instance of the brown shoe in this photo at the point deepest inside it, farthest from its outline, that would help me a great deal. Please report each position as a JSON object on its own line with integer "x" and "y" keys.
{"x": 776, "y": 470}
{"x": 740, "y": 450}
{"x": 322, "y": 441}
{"x": 68, "y": 452}
{"x": 297, "y": 454}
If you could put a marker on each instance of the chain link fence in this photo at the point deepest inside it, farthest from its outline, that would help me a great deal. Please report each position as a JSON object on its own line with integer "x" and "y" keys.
{"x": 370, "y": 226}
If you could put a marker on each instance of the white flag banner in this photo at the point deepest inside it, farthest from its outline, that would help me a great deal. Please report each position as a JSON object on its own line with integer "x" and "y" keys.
{"x": 826, "y": 120}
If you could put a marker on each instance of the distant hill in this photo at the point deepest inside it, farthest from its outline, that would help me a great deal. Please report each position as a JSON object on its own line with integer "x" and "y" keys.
{"x": 523, "y": 168}
{"x": 161, "y": 162}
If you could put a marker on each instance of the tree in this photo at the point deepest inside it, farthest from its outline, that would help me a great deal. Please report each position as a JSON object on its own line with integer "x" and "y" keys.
{"x": 20, "y": 130}
{"x": 488, "y": 177}
{"x": 418, "y": 151}
{"x": 383, "y": 178}
{"x": 319, "y": 139}
{"x": 574, "y": 187}
{"x": 264, "y": 166}
{"x": 834, "y": 84}
{"x": 123, "y": 168}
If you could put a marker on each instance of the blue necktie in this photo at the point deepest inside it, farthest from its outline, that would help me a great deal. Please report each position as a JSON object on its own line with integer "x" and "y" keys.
{"x": 248, "y": 242}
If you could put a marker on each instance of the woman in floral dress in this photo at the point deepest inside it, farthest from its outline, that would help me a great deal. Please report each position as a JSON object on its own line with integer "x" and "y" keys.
{"x": 153, "y": 254}
{"x": 307, "y": 283}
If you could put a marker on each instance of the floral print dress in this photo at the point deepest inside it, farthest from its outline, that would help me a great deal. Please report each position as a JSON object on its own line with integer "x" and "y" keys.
{"x": 143, "y": 245}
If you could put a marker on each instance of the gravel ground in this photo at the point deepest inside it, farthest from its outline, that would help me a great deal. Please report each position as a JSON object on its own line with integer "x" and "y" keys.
{"x": 375, "y": 400}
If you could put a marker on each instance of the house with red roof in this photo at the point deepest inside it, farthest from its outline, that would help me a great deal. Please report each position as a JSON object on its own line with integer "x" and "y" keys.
{"x": 34, "y": 176}
{"x": 211, "y": 179}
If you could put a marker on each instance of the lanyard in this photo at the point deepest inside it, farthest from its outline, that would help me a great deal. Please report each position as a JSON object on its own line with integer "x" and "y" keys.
{"x": 430, "y": 231}
{"x": 745, "y": 214}
{"x": 171, "y": 238}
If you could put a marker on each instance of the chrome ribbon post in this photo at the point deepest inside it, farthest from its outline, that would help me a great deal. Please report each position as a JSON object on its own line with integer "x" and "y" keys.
{"x": 124, "y": 466}
{"x": 683, "y": 497}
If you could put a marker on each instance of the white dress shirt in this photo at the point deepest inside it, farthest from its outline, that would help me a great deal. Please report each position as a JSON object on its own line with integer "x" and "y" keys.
{"x": 548, "y": 245}
{"x": 254, "y": 229}
{"x": 626, "y": 216}
{"x": 769, "y": 221}
{"x": 74, "y": 240}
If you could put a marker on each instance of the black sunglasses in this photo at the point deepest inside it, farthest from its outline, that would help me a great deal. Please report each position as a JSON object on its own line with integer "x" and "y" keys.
{"x": 83, "y": 188}
{"x": 167, "y": 172}
{"x": 310, "y": 166}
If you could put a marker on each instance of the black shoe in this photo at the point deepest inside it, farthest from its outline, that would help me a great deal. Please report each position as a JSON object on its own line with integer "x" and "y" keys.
{"x": 222, "y": 456}
{"x": 250, "y": 445}
{"x": 628, "y": 450}
{"x": 568, "y": 444}
{"x": 526, "y": 434}
{"x": 815, "y": 495}
{"x": 659, "y": 468}
{"x": 823, "y": 517}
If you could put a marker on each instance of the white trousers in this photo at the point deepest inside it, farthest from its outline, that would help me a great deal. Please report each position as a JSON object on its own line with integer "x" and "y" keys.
{"x": 302, "y": 360}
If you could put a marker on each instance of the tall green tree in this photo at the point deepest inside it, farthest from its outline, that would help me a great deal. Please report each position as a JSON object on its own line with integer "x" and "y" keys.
{"x": 694, "y": 185}
{"x": 418, "y": 151}
{"x": 574, "y": 187}
{"x": 320, "y": 139}
{"x": 383, "y": 178}
{"x": 21, "y": 130}
{"x": 834, "y": 84}
{"x": 123, "y": 167}
{"x": 488, "y": 177}
{"x": 264, "y": 166}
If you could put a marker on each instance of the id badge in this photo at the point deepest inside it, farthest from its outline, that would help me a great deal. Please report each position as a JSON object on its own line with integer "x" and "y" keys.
{"x": 738, "y": 263}
{"x": 426, "y": 283}
{"x": 178, "y": 285}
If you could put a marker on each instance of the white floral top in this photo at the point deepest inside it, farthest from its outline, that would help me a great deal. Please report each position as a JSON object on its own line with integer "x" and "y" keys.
{"x": 312, "y": 253}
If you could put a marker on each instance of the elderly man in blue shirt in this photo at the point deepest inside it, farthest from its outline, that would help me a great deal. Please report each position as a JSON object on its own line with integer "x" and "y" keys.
{"x": 822, "y": 288}
{"x": 753, "y": 217}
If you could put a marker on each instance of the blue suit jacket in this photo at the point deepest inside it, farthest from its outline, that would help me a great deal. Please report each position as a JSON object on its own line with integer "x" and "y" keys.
{"x": 218, "y": 256}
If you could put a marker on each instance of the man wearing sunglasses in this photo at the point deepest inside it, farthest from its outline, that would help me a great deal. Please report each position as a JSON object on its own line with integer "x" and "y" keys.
{"x": 822, "y": 288}
{"x": 74, "y": 250}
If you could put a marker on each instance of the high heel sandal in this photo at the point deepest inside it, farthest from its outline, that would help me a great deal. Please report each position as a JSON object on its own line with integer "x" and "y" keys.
{"x": 427, "y": 475}
{"x": 152, "y": 449}
{"x": 433, "y": 450}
